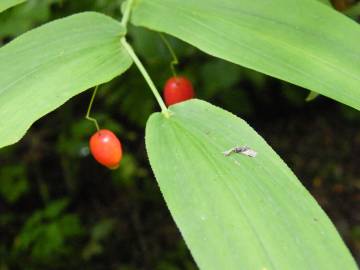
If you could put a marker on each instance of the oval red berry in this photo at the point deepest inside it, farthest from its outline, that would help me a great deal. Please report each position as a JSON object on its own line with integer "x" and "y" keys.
{"x": 177, "y": 89}
{"x": 106, "y": 148}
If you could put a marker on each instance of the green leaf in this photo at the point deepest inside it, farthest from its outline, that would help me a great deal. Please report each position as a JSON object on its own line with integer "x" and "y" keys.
{"x": 303, "y": 42}
{"x": 5, "y": 4}
{"x": 237, "y": 212}
{"x": 45, "y": 67}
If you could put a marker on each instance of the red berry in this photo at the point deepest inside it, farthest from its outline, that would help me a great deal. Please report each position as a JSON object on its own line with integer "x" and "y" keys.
{"x": 106, "y": 148}
{"x": 177, "y": 89}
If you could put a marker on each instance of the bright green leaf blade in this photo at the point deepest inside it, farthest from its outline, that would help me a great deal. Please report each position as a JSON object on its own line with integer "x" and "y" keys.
{"x": 45, "y": 67}
{"x": 5, "y": 4}
{"x": 237, "y": 212}
{"x": 303, "y": 42}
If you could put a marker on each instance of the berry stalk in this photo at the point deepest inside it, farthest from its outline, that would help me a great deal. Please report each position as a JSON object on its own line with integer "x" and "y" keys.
{"x": 89, "y": 109}
{"x": 175, "y": 60}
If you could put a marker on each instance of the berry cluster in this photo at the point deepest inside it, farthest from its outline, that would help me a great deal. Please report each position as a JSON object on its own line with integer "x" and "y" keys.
{"x": 106, "y": 147}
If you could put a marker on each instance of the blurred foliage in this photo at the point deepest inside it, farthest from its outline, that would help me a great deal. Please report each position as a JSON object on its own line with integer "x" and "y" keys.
{"x": 25, "y": 17}
{"x": 45, "y": 231}
{"x": 13, "y": 182}
{"x": 61, "y": 210}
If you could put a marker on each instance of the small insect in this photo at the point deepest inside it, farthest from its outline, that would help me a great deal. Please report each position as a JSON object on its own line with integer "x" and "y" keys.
{"x": 247, "y": 151}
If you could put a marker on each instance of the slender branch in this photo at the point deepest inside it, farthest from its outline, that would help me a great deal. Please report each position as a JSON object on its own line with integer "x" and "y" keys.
{"x": 175, "y": 60}
{"x": 126, "y": 15}
{"x": 89, "y": 109}
{"x": 146, "y": 76}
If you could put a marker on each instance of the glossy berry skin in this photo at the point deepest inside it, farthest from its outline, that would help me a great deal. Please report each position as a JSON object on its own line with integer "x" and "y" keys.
{"x": 177, "y": 89}
{"x": 106, "y": 148}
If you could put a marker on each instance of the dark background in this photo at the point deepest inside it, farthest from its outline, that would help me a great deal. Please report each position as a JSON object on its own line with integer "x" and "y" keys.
{"x": 59, "y": 209}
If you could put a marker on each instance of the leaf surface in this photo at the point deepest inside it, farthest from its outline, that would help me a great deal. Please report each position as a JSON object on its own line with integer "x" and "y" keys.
{"x": 43, "y": 68}
{"x": 303, "y": 42}
{"x": 237, "y": 212}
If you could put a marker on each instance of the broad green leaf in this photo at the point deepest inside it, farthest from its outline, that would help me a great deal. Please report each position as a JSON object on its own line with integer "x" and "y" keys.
{"x": 303, "y": 42}
{"x": 45, "y": 67}
{"x": 5, "y": 4}
{"x": 237, "y": 212}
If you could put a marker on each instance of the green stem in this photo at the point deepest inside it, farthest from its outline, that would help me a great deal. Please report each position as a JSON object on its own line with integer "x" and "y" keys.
{"x": 126, "y": 15}
{"x": 175, "y": 60}
{"x": 146, "y": 76}
{"x": 89, "y": 109}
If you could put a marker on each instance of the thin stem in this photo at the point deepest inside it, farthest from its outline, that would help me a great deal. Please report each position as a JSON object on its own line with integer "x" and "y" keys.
{"x": 126, "y": 15}
{"x": 175, "y": 60}
{"x": 89, "y": 109}
{"x": 146, "y": 76}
